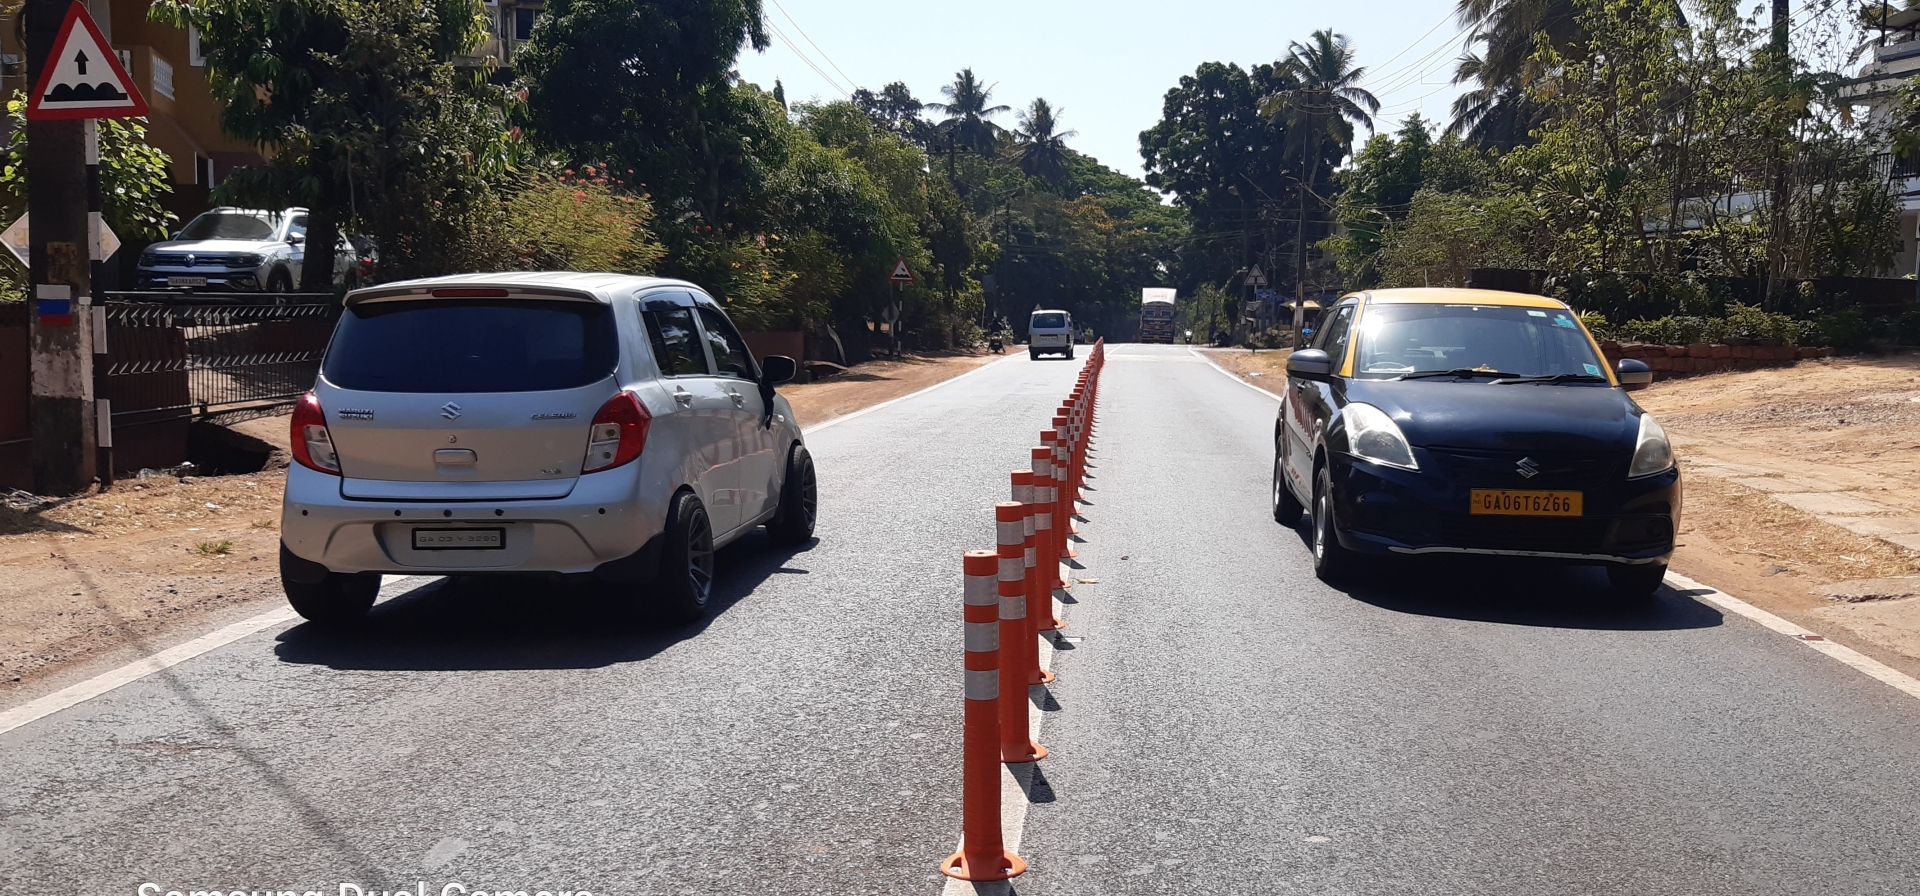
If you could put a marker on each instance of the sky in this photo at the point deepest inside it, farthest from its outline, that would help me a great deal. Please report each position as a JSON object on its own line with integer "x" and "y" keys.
{"x": 1108, "y": 65}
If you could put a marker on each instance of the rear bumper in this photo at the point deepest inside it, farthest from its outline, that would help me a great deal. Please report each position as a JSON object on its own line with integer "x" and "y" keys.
{"x": 1383, "y": 510}
{"x": 603, "y": 526}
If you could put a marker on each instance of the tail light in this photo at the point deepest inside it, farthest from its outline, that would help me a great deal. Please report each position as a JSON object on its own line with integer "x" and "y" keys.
{"x": 618, "y": 434}
{"x": 312, "y": 444}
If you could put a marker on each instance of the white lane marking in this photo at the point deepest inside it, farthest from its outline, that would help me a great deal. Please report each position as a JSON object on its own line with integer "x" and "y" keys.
{"x": 893, "y": 401}
{"x": 74, "y": 695}
{"x": 1013, "y": 797}
{"x": 1233, "y": 376}
{"x": 1861, "y": 663}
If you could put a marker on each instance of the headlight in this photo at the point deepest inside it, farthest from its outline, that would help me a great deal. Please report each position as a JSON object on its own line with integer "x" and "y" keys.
{"x": 149, "y": 259}
{"x": 1652, "y": 453}
{"x": 244, "y": 261}
{"x": 1373, "y": 435}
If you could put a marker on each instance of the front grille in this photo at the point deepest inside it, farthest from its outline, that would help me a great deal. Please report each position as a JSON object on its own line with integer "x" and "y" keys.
{"x": 1501, "y": 469}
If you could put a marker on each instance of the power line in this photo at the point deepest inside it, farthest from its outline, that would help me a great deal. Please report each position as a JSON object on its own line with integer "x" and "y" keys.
{"x": 803, "y": 33}
{"x": 791, "y": 45}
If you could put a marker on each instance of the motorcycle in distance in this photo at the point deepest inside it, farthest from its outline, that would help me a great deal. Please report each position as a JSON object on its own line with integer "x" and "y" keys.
{"x": 998, "y": 345}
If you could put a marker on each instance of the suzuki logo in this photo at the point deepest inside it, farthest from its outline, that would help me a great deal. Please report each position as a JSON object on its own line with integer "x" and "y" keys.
{"x": 450, "y": 411}
{"x": 1527, "y": 468}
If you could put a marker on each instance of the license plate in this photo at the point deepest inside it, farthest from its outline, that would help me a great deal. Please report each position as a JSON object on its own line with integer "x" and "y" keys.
{"x": 186, "y": 281}
{"x": 459, "y": 539}
{"x": 1517, "y": 502}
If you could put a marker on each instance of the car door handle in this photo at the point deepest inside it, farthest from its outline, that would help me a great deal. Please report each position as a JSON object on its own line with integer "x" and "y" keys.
{"x": 683, "y": 396}
{"x": 738, "y": 399}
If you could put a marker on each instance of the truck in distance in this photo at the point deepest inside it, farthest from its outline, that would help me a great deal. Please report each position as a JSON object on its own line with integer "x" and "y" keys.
{"x": 1156, "y": 314}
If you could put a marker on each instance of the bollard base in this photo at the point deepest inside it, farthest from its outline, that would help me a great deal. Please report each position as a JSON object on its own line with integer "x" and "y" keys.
{"x": 1033, "y": 753}
{"x": 1008, "y": 865}
{"x": 1052, "y": 624}
{"x": 1043, "y": 677}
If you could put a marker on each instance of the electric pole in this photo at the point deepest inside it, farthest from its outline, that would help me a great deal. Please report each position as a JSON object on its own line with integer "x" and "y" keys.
{"x": 65, "y": 440}
{"x": 1782, "y": 64}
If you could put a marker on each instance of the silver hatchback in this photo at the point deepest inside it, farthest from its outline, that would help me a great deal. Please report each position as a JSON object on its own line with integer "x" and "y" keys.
{"x": 592, "y": 425}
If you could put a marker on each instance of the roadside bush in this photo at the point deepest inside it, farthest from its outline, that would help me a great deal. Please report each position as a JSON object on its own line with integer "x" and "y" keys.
{"x": 580, "y": 223}
{"x": 1749, "y": 322}
{"x": 1673, "y": 330}
{"x": 1741, "y": 322}
{"x": 1846, "y": 331}
{"x": 1906, "y": 328}
{"x": 1596, "y": 323}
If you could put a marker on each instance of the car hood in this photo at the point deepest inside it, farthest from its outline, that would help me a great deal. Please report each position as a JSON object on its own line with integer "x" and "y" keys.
{"x": 219, "y": 247}
{"x": 1517, "y": 417}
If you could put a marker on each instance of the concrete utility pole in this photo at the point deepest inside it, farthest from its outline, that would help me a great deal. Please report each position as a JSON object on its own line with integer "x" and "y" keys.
{"x": 65, "y": 440}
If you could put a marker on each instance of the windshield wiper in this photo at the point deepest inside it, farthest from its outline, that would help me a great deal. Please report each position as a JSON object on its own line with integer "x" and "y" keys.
{"x": 1553, "y": 378}
{"x": 1457, "y": 371}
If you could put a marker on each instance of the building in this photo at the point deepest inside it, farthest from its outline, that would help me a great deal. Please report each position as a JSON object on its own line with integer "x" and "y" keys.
{"x": 1893, "y": 60}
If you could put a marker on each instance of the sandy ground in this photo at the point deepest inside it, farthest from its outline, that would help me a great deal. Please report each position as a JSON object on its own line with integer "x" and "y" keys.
{"x": 103, "y": 579}
{"x": 1799, "y": 481}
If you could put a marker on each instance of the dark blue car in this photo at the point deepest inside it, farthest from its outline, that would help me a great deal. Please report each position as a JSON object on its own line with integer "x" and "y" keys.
{"x": 1458, "y": 421}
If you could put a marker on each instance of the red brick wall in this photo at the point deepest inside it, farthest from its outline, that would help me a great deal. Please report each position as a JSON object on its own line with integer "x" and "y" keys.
{"x": 1669, "y": 361}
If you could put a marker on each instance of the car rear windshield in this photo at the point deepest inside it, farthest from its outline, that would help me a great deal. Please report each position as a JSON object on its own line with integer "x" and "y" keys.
{"x": 472, "y": 345}
{"x": 228, "y": 226}
{"x": 1051, "y": 321}
{"x": 1402, "y": 339}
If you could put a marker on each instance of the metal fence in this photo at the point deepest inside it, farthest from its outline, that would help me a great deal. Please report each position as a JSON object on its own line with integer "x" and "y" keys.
{"x": 171, "y": 356}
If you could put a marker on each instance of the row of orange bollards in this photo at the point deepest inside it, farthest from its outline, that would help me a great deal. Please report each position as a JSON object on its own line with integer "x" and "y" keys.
{"x": 1009, "y": 602}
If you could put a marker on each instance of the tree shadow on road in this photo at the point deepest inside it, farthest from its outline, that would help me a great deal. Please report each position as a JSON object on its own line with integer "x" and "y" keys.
{"x": 1513, "y": 591}
{"x": 477, "y": 624}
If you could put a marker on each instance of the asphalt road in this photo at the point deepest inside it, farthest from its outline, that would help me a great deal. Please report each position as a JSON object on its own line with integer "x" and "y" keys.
{"x": 1224, "y": 724}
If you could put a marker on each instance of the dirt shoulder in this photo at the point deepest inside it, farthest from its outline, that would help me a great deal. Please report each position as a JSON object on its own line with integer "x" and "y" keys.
{"x": 1263, "y": 367}
{"x": 103, "y": 579}
{"x": 1803, "y": 493}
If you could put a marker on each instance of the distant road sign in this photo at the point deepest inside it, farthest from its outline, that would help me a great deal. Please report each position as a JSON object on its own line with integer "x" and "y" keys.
{"x": 1256, "y": 277}
{"x": 83, "y": 77}
{"x": 901, "y": 274}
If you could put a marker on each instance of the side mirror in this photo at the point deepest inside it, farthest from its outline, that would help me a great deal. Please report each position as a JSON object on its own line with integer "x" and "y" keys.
{"x": 1633, "y": 374}
{"x": 1309, "y": 364}
{"x": 777, "y": 369}
{"x": 295, "y": 239}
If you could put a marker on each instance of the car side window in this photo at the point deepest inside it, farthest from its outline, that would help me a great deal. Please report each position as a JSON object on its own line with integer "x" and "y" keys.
{"x": 298, "y": 226}
{"x": 675, "y": 340}
{"x": 730, "y": 355}
{"x": 1333, "y": 337}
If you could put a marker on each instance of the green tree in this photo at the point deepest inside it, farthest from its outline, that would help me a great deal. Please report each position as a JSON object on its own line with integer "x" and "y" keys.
{"x": 361, "y": 105}
{"x": 1375, "y": 192}
{"x": 968, "y": 109}
{"x": 1040, "y": 147}
{"x": 1321, "y": 109}
{"x": 133, "y": 176}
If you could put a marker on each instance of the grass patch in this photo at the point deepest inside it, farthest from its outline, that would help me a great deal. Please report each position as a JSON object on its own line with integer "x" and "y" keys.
{"x": 266, "y": 524}
{"x": 214, "y": 548}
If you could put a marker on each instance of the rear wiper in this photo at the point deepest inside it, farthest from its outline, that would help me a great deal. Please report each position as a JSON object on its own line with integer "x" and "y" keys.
{"x": 1553, "y": 378}
{"x": 1457, "y": 371}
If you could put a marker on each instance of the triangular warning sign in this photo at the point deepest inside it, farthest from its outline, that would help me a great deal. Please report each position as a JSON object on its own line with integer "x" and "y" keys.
{"x": 83, "y": 78}
{"x": 900, "y": 273}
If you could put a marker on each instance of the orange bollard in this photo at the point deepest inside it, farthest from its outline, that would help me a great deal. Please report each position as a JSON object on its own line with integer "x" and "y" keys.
{"x": 983, "y": 854}
{"x": 1046, "y": 557}
{"x": 1063, "y": 493}
{"x": 1016, "y": 636}
{"x": 1030, "y": 586}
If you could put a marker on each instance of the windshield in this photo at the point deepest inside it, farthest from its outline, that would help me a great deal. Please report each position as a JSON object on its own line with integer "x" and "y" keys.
{"x": 1052, "y": 320}
{"x": 472, "y": 346}
{"x": 228, "y": 226}
{"x": 1402, "y": 339}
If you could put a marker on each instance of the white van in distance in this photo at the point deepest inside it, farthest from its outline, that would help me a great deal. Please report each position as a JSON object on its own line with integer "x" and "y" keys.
{"x": 1050, "y": 331}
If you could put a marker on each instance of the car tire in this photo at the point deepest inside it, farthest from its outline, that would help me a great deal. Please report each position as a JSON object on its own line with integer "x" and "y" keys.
{"x": 280, "y": 281}
{"x": 337, "y": 600}
{"x": 1332, "y": 562}
{"x": 1033, "y": 354}
{"x": 1286, "y": 507}
{"x": 686, "y": 560}
{"x": 793, "y": 522}
{"x": 1636, "y": 583}
{"x": 1069, "y": 354}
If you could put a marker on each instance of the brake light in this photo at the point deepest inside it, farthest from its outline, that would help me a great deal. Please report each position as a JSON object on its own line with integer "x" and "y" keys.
{"x": 312, "y": 444}
{"x": 467, "y": 292}
{"x": 618, "y": 434}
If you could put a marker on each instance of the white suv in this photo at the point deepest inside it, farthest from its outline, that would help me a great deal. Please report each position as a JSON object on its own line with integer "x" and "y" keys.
{"x": 592, "y": 425}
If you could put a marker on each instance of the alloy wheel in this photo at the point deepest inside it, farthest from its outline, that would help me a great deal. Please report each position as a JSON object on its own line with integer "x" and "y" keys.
{"x": 700, "y": 554}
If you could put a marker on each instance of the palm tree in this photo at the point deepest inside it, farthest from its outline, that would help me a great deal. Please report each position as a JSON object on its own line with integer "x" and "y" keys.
{"x": 1041, "y": 150}
{"x": 1491, "y": 113}
{"x": 1497, "y": 111}
{"x": 1320, "y": 112}
{"x": 967, "y": 111}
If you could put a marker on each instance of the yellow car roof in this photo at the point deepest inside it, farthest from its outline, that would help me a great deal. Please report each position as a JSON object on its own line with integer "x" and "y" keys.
{"x": 1452, "y": 296}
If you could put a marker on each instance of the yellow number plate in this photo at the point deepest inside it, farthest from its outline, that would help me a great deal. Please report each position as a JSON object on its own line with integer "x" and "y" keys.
{"x": 1515, "y": 502}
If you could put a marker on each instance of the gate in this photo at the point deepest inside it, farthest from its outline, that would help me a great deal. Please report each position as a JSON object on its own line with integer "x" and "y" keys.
{"x": 173, "y": 359}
